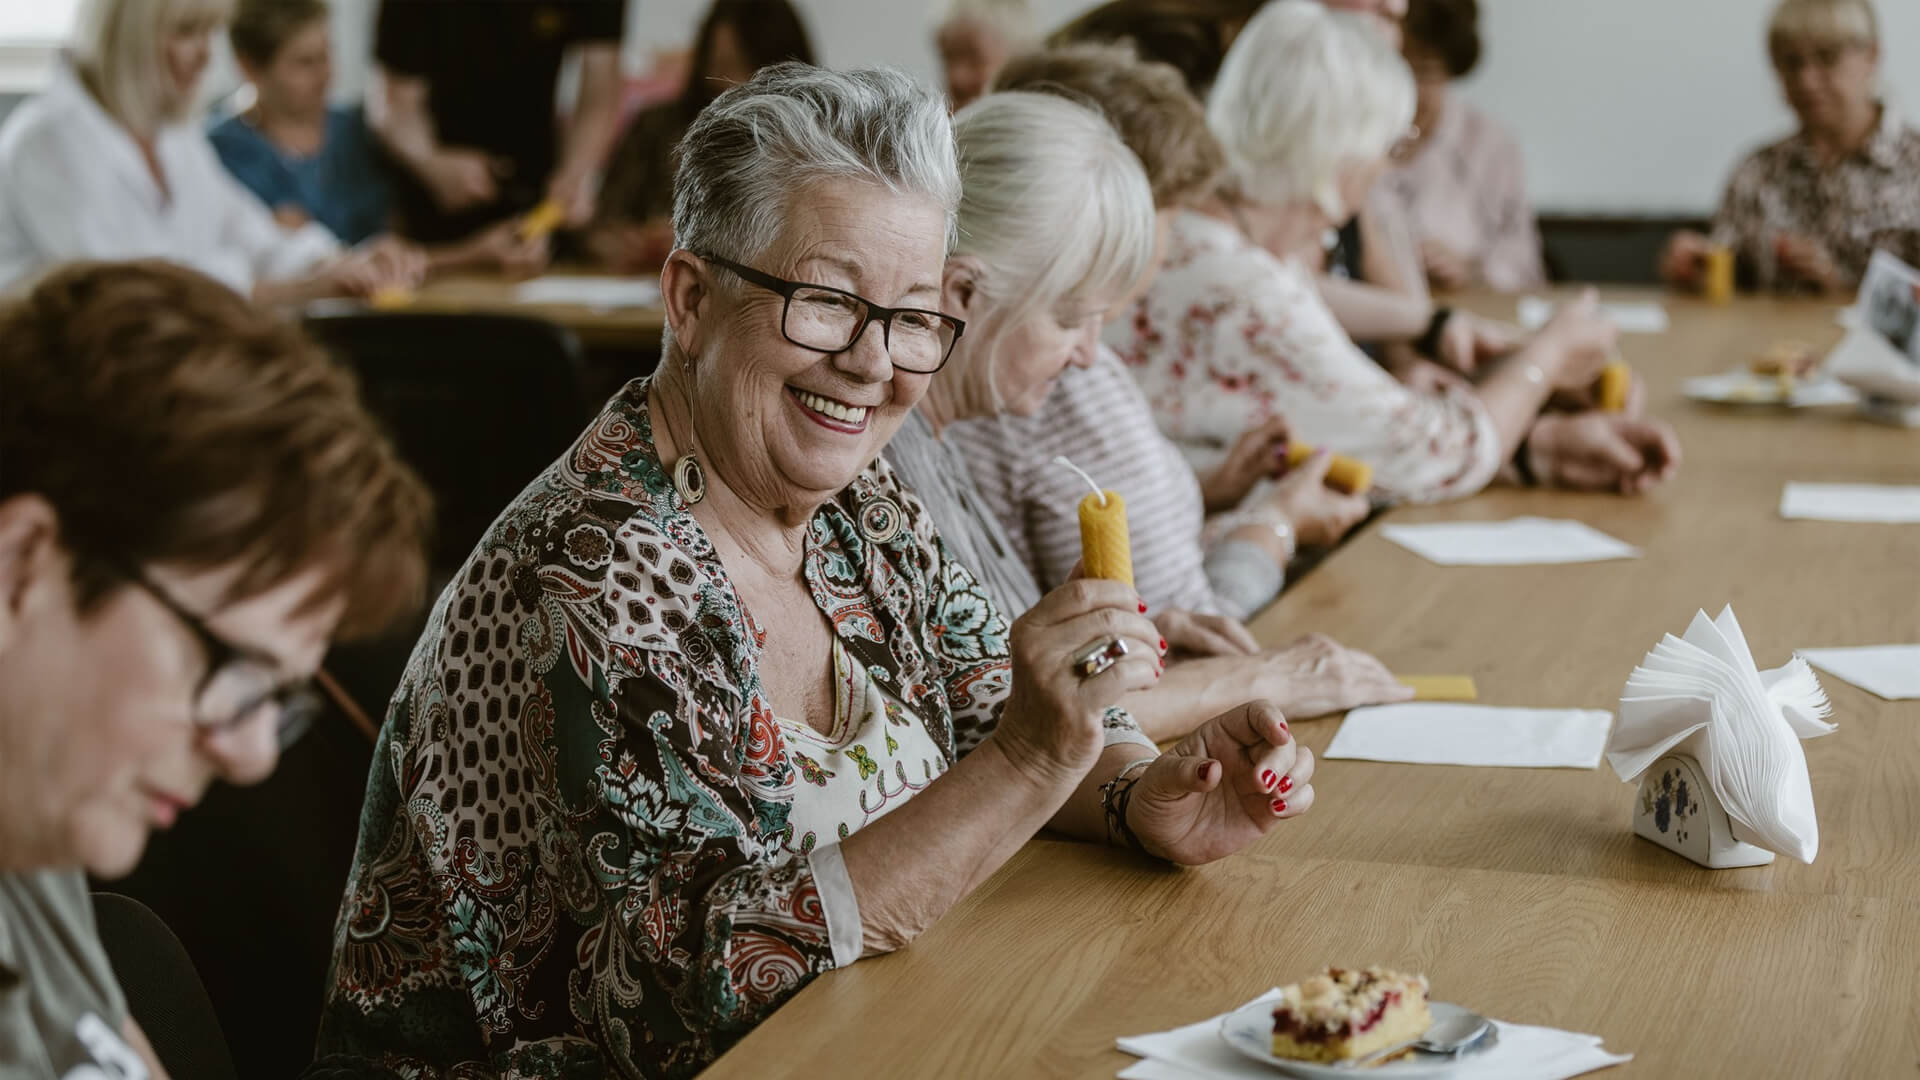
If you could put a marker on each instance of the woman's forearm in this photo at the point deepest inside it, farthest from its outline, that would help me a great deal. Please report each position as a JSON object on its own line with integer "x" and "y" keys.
{"x": 1516, "y": 390}
{"x": 909, "y": 867}
{"x": 1371, "y": 314}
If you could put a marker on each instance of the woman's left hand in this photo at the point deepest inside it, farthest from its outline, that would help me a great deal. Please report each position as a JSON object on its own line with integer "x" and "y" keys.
{"x": 1205, "y": 635}
{"x": 1222, "y": 787}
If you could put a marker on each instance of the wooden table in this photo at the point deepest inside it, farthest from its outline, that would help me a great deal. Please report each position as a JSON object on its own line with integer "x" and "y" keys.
{"x": 1521, "y": 892}
{"x": 636, "y": 329}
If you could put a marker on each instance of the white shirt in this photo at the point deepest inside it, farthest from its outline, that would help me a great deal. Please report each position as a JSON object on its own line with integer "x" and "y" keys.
{"x": 74, "y": 185}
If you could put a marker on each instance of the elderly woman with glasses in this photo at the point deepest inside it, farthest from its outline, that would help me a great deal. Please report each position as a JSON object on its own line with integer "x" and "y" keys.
{"x": 1229, "y": 336}
{"x": 157, "y": 632}
{"x": 713, "y": 710}
{"x": 1807, "y": 212}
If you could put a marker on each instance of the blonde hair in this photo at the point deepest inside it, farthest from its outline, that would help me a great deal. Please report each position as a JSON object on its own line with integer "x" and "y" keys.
{"x": 1054, "y": 205}
{"x": 1304, "y": 92}
{"x": 1011, "y": 19}
{"x": 1824, "y": 21}
{"x": 116, "y": 48}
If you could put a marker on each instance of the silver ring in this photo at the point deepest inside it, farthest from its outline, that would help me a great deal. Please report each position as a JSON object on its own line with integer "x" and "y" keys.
{"x": 1098, "y": 657}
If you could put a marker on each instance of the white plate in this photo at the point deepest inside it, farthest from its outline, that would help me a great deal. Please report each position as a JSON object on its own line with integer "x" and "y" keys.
{"x": 1746, "y": 388}
{"x": 1250, "y": 1031}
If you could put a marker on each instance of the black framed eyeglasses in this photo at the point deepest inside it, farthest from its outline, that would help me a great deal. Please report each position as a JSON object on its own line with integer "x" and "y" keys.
{"x": 828, "y": 320}
{"x": 240, "y": 683}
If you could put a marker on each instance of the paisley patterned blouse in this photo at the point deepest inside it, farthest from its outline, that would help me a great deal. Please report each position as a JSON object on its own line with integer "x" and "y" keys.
{"x": 575, "y": 856}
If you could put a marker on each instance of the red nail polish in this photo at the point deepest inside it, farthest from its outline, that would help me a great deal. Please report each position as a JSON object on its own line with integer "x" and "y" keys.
{"x": 1143, "y": 607}
{"x": 1279, "y": 806}
{"x": 1163, "y": 644}
{"x": 1266, "y": 779}
{"x": 1286, "y": 784}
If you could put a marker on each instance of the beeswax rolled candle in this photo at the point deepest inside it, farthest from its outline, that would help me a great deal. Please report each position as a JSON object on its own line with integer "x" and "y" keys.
{"x": 1105, "y": 550}
{"x": 1616, "y": 379}
{"x": 542, "y": 220}
{"x": 1344, "y": 474}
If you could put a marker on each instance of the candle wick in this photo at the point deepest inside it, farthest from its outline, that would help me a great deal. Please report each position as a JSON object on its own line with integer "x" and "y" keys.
{"x": 1060, "y": 459}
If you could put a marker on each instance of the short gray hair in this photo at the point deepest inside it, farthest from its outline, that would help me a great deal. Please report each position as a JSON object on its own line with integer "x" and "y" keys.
{"x": 1304, "y": 92}
{"x": 792, "y": 126}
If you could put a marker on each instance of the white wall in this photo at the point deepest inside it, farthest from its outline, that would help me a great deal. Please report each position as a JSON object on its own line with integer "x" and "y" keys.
{"x": 1628, "y": 106}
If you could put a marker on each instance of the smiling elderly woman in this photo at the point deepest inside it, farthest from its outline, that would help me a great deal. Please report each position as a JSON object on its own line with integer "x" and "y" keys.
{"x": 712, "y": 710}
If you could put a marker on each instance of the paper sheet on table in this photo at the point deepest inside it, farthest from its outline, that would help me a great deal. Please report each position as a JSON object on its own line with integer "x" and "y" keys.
{"x": 1877, "y": 503}
{"x": 1746, "y": 388}
{"x": 1632, "y": 318}
{"x": 1434, "y": 734}
{"x": 598, "y": 293}
{"x": 1197, "y": 1052}
{"x": 1521, "y": 541}
{"x": 1891, "y": 671}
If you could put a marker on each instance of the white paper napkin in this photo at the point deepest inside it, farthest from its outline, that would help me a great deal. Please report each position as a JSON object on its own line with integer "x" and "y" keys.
{"x": 598, "y": 293}
{"x": 1521, "y": 541}
{"x": 1892, "y": 671}
{"x": 1447, "y": 734}
{"x": 1703, "y": 696}
{"x": 1632, "y": 318}
{"x": 1196, "y": 1052}
{"x": 1880, "y": 503}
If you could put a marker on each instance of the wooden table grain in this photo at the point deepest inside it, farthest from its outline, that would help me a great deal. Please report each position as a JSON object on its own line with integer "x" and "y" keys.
{"x": 636, "y": 328}
{"x": 1521, "y": 892}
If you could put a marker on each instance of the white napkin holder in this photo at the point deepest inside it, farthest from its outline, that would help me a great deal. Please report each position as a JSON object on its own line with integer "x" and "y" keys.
{"x": 1715, "y": 745}
{"x": 1678, "y": 810}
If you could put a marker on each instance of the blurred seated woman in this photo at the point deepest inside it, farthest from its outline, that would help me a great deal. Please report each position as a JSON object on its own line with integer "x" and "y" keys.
{"x": 194, "y": 504}
{"x": 309, "y": 161}
{"x": 1057, "y": 224}
{"x": 1229, "y": 336}
{"x": 714, "y": 710}
{"x": 634, "y": 229}
{"x": 975, "y": 37}
{"x": 1806, "y": 213}
{"x": 106, "y": 165}
{"x": 1460, "y": 183}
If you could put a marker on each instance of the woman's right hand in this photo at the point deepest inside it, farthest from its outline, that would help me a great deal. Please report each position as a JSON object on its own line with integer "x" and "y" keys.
{"x": 1317, "y": 675}
{"x": 1320, "y": 515}
{"x": 1685, "y": 253}
{"x": 1053, "y": 718}
{"x": 1582, "y": 339}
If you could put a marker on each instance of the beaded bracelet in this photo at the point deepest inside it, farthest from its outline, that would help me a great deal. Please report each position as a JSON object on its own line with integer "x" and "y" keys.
{"x": 1115, "y": 795}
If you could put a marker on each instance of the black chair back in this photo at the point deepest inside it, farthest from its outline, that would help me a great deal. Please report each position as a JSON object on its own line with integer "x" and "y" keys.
{"x": 164, "y": 994}
{"x": 479, "y": 404}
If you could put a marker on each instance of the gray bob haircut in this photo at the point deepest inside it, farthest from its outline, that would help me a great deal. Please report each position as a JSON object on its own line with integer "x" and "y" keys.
{"x": 794, "y": 125}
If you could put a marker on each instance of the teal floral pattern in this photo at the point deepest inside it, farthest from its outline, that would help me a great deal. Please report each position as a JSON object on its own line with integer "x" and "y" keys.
{"x": 572, "y": 858}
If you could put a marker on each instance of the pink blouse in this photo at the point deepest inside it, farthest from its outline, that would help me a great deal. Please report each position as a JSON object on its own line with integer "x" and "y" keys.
{"x": 1466, "y": 191}
{"x": 1229, "y": 336}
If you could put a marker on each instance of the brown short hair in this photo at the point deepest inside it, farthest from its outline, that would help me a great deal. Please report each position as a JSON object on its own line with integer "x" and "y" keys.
{"x": 1192, "y": 35}
{"x": 1147, "y": 102}
{"x": 167, "y": 420}
{"x": 1450, "y": 28}
{"x": 262, "y": 27}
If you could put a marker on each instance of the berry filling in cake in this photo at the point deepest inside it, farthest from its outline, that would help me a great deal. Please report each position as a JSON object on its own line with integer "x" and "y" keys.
{"x": 1343, "y": 1015}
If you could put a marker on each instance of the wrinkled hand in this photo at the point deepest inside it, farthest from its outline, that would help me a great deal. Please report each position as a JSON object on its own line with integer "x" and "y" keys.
{"x": 1582, "y": 340}
{"x": 575, "y": 194}
{"x": 1317, "y": 675}
{"x": 1807, "y": 260}
{"x": 1222, "y": 787}
{"x": 1320, "y": 515}
{"x": 399, "y": 263}
{"x": 1052, "y": 720}
{"x": 1468, "y": 341}
{"x": 1447, "y": 270}
{"x": 459, "y": 179}
{"x": 1259, "y": 453}
{"x": 1205, "y": 635}
{"x": 1682, "y": 260}
{"x": 1588, "y": 397}
{"x": 517, "y": 257}
{"x": 1596, "y": 451}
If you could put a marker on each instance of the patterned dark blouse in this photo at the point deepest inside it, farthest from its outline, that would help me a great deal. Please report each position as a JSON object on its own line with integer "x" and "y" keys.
{"x": 1869, "y": 200}
{"x": 571, "y": 856}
